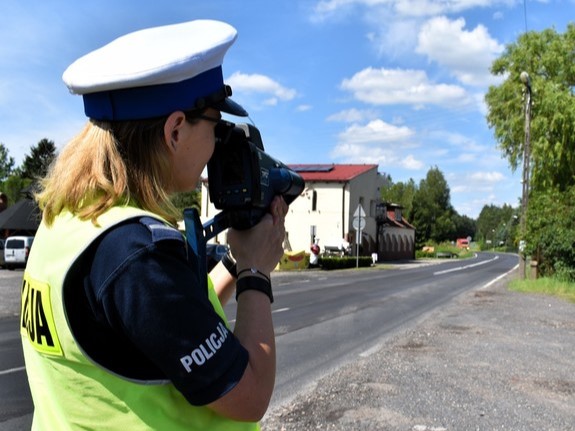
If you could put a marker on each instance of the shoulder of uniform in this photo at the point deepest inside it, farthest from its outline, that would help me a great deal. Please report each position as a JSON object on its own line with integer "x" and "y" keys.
{"x": 161, "y": 231}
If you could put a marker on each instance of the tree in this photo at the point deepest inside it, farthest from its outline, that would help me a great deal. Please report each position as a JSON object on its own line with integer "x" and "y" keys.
{"x": 551, "y": 233}
{"x": 497, "y": 224}
{"x": 6, "y": 163}
{"x": 432, "y": 210}
{"x": 185, "y": 200}
{"x": 14, "y": 185}
{"x": 549, "y": 59}
{"x": 36, "y": 164}
{"x": 400, "y": 193}
{"x": 464, "y": 226}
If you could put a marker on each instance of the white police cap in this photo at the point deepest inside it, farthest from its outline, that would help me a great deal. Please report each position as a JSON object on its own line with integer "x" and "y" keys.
{"x": 154, "y": 72}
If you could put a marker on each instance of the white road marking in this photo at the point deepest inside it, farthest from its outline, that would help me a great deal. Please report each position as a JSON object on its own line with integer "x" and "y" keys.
{"x": 12, "y": 370}
{"x": 460, "y": 268}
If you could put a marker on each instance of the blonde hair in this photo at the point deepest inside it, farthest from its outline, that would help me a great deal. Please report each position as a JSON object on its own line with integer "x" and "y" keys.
{"x": 109, "y": 164}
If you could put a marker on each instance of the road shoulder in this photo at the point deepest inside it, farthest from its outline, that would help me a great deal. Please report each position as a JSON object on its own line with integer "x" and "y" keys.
{"x": 491, "y": 359}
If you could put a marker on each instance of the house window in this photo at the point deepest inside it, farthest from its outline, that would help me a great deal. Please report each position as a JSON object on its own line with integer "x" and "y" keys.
{"x": 372, "y": 208}
{"x": 314, "y": 201}
{"x": 398, "y": 215}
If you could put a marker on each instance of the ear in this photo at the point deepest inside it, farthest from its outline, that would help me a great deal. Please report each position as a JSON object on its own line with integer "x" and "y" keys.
{"x": 172, "y": 128}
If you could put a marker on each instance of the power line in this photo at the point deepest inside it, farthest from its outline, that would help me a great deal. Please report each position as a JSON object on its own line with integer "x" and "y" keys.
{"x": 525, "y": 13}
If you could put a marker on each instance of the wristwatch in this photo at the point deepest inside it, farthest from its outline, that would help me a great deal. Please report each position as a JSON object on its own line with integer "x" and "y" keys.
{"x": 254, "y": 283}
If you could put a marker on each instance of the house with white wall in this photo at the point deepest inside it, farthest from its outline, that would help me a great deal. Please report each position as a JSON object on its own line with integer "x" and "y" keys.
{"x": 325, "y": 209}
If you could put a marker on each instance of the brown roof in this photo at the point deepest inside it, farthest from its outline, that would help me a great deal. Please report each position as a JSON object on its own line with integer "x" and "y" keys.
{"x": 330, "y": 172}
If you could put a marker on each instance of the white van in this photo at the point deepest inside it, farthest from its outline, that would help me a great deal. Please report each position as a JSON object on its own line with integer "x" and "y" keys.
{"x": 16, "y": 250}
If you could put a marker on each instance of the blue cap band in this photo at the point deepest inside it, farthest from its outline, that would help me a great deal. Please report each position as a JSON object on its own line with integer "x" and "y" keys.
{"x": 139, "y": 103}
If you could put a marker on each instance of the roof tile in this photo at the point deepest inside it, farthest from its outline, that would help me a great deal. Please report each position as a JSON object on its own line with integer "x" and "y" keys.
{"x": 330, "y": 172}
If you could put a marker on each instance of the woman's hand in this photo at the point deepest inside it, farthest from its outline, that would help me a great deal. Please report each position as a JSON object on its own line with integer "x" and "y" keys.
{"x": 261, "y": 246}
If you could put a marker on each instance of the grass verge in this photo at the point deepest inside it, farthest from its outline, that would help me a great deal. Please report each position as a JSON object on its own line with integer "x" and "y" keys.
{"x": 547, "y": 286}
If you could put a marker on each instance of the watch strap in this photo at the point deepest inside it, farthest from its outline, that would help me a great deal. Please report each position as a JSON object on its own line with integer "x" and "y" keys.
{"x": 254, "y": 283}
{"x": 230, "y": 264}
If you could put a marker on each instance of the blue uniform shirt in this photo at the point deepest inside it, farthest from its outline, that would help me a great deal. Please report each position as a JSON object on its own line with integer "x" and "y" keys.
{"x": 135, "y": 310}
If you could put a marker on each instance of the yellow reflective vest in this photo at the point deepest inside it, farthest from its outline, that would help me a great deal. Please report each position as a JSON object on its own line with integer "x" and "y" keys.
{"x": 69, "y": 391}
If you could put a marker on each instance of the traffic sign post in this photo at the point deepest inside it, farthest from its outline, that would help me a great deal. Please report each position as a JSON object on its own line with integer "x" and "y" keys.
{"x": 359, "y": 212}
{"x": 358, "y": 224}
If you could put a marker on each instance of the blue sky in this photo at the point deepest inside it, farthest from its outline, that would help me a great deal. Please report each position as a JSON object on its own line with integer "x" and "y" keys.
{"x": 398, "y": 83}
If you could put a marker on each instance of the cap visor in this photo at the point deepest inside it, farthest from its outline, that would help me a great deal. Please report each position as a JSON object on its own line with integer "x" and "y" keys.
{"x": 230, "y": 107}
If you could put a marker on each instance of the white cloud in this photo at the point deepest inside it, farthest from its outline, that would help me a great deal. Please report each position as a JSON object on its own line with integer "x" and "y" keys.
{"x": 412, "y": 163}
{"x": 498, "y": 16}
{"x": 353, "y": 115}
{"x": 435, "y": 7}
{"x": 377, "y": 132}
{"x": 394, "y": 40}
{"x": 303, "y": 108}
{"x": 387, "y": 158}
{"x": 487, "y": 177}
{"x": 256, "y": 83}
{"x": 476, "y": 182}
{"x": 467, "y": 158}
{"x": 467, "y": 54}
{"x": 403, "y": 86}
{"x": 458, "y": 140}
{"x": 377, "y": 142}
{"x": 272, "y": 101}
{"x": 403, "y": 8}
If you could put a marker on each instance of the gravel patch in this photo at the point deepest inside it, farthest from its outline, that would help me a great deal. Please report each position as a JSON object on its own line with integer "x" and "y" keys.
{"x": 490, "y": 360}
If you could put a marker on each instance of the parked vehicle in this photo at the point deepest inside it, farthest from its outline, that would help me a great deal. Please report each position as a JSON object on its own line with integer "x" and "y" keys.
{"x": 16, "y": 250}
{"x": 2, "y": 260}
{"x": 462, "y": 243}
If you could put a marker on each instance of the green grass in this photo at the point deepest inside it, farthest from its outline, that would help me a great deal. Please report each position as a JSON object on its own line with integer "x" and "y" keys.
{"x": 547, "y": 286}
{"x": 445, "y": 248}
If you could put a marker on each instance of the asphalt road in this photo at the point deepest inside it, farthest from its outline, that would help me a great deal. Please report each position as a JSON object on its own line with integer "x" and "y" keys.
{"x": 490, "y": 359}
{"x": 15, "y": 401}
{"x": 324, "y": 320}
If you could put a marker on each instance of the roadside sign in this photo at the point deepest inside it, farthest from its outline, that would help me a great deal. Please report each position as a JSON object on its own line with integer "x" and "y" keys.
{"x": 358, "y": 223}
{"x": 359, "y": 212}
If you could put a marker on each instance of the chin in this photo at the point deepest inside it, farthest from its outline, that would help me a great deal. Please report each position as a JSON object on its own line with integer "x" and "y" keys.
{"x": 190, "y": 187}
{"x": 184, "y": 188}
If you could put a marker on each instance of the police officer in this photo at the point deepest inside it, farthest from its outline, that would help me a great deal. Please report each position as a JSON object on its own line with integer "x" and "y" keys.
{"x": 118, "y": 330}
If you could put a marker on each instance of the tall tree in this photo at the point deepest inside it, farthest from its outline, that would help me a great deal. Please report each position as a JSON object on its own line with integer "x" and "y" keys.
{"x": 464, "y": 226}
{"x": 432, "y": 210}
{"x": 496, "y": 224}
{"x": 6, "y": 163}
{"x": 36, "y": 164}
{"x": 549, "y": 59}
{"x": 400, "y": 193}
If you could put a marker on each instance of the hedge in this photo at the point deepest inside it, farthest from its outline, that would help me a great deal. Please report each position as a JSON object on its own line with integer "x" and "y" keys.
{"x": 344, "y": 262}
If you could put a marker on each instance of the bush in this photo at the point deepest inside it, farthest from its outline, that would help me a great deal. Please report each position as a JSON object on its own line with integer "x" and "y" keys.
{"x": 443, "y": 250}
{"x": 344, "y": 262}
{"x": 551, "y": 233}
{"x": 420, "y": 254}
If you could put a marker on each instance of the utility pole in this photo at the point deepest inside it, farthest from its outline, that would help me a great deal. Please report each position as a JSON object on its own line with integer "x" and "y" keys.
{"x": 524, "y": 76}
